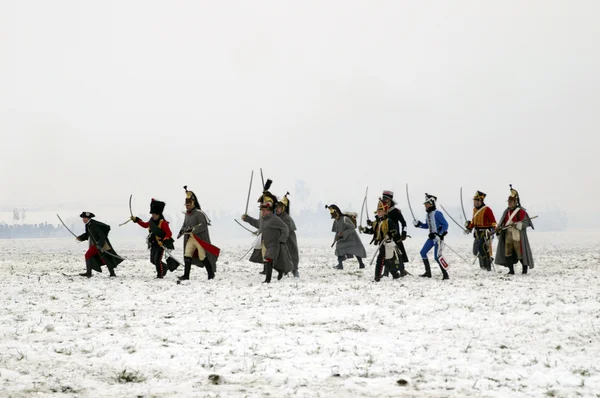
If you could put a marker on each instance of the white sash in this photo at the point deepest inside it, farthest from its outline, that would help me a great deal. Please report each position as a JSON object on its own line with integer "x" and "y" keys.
{"x": 258, "y": 242}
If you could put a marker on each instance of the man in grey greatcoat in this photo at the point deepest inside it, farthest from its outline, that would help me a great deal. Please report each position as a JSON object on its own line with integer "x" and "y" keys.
{"x": 348, "y": 243}
{"x": 197, "y": 247}
{"x": 274, "y": 236}
{"x": 282, "y": 209}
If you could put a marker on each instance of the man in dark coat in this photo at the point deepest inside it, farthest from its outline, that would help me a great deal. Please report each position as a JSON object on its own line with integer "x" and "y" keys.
{"x": 100, "y": 251}
{"x": 389, "y": 256}
{"x": 159, "y": 238}
{"x": 283, "y": 211}
{"x": 513, "y": 244}
{"x": 197, "y": 247}
{"x": 347, "y": 241}
{"x": 396, "y": 221}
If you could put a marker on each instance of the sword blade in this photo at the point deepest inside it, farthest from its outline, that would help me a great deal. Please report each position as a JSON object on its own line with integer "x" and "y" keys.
{"x": 65, "y": 225}
{"x": 462, "y": 205}
{"x": 452, "y": 218}
{"x": 409, "y": 206}
{"x": 249, "y": 190}
{"x": 241, "y": 225}
{"x": 130, "y": 212}
{"x": 363, "y": 208}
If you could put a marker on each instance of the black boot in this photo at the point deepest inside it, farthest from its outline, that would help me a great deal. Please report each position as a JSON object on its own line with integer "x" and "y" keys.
{"x": 159, "y": 273}
{"x": 524, "y": 267}
{"x": 386, "y": 270}
{"x": 396, "y": 274}
{"x": 427, "y": 273}
{"x": 488, "y": 263}
{"x": 268, "y": 272}
{"x": 111, "y": 271}
{"x": 444, "y": 273}
{"x": 186, "y": 269}
{"x": 209, "y": 269}
{"x": 340, "y": 260}
{"x": 361, "y": 265}
{"x": 482, "y": 261}
{"x": 296, "y": 273}
{"x": 264, "y": 271}
{"x": 88, "y": 271}
{"x": 403, "y": 272}
{"x": 511, "y": 269}
{"x": 279, "y": 275}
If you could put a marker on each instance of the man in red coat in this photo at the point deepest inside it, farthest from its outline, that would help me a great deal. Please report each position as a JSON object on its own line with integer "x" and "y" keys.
{"x": 482, "y": 225}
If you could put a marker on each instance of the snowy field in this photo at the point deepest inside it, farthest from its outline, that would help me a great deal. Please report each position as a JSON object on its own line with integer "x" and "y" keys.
{"x": 330, "y": 334}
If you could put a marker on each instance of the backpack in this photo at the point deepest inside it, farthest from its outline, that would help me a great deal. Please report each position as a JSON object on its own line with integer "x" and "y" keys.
{"x": 352, "y": 216}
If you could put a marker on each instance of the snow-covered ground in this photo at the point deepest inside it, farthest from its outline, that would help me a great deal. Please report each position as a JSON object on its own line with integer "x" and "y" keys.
{"x": 330, "y": 334}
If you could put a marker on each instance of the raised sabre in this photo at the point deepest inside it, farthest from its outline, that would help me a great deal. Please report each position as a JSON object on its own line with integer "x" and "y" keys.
{"x": 409, "y": 206}
{"x": 462, "y": 206}
{"x": 249, "y": 190}
{"x": 130, "y": 211}
{"x": 362, "y": 209}
{"x": 65, "y": 225}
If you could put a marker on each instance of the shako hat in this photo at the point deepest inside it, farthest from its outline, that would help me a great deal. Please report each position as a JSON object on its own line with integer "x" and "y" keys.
{"x": 156, "y": 206}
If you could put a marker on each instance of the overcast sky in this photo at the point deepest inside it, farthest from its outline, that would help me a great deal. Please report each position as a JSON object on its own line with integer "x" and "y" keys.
{"x": 102, "y": 99}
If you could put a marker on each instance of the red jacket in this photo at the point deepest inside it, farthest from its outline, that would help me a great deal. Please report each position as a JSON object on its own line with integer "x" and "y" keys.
{"x": 163, "y": 224}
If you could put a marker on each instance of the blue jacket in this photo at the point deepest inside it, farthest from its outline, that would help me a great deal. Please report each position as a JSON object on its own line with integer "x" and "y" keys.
{"x": 435, "y": 222}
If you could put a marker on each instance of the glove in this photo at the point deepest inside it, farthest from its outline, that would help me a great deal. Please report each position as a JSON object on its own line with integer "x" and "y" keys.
{"x": 369, "y": 222}
{"x": 467, "y": 224}
{"x": 403, "y": 236}
{"x": 160, "y": 243}
{"x": 361, "y": 229}
{"x": 417, "y": 223}
{"x": 519, "y": 225}
{"x": 432, "y": 236}
{"x": 134, "y": 219}
{"x": 244, "y": 217}
{"x": 442, "y": 235}
{"x": 467, "y": 231}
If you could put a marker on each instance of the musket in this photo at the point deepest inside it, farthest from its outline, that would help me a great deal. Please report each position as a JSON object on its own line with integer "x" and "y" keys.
{"x": 65, "y": 225}
{"x": 452, "y": 218}
{"x": 130, "y": 212}
{"x": 247, "y": 229}
{"x": 362, "y": 209}
{"x": 409, "y": 206}
{"x": 249, "y": 190}
{"x": 462, "y": 205}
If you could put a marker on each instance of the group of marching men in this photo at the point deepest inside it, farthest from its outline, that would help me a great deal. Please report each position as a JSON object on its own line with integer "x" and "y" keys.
{"x": 276, "y": 246}
{"x": 389, "y": 232}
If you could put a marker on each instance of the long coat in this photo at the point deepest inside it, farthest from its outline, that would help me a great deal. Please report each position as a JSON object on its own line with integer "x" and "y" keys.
{"x": 525, "y": 247}
{"x": 292, "y": 242}
{"x": 197, "y": 219}
{"x": 274, "y": 237}
{"x": 256, "y": 256}
{"x": 97, "y": 234}
{"x": 396, "y": 220}
{"x": 348, "y": 241}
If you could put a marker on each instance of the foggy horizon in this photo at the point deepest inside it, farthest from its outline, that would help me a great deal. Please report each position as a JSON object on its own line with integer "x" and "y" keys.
{"x": 101, "y": 101}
